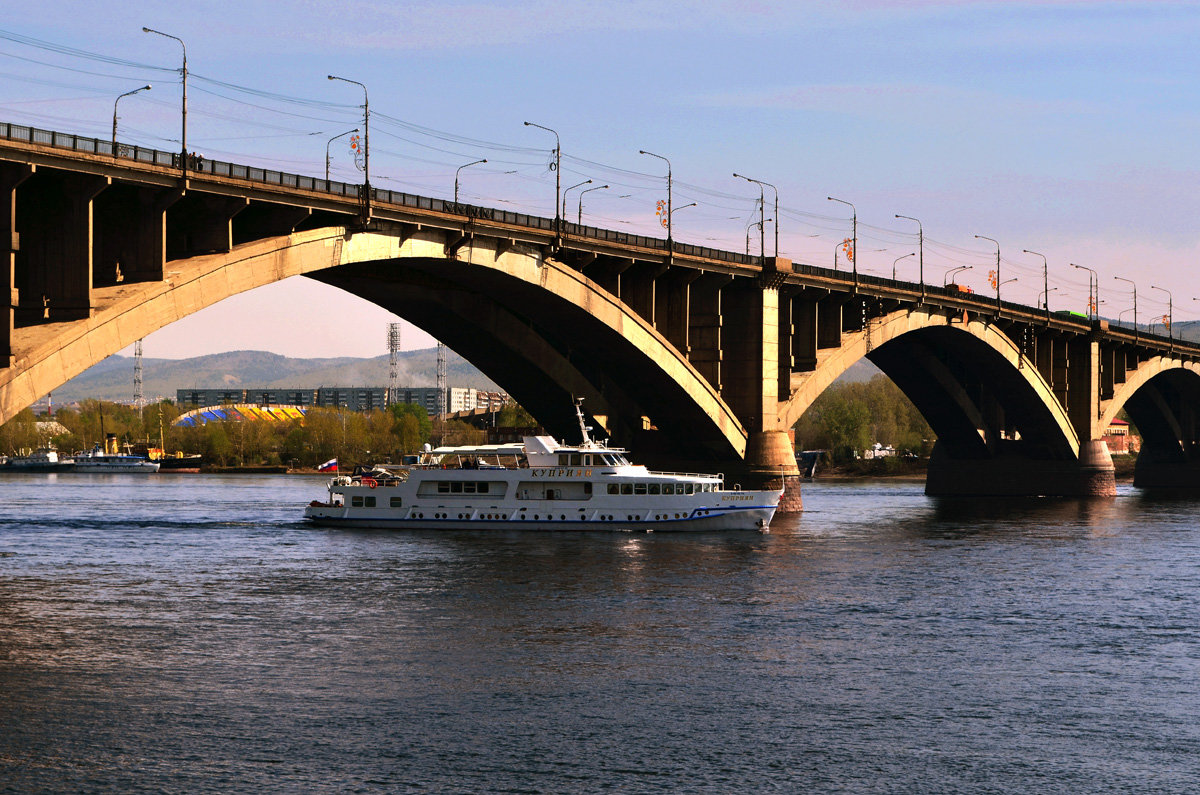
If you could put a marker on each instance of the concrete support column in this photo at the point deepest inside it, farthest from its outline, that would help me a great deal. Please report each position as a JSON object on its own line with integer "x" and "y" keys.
{"x": 829, "y": 322}
{"x": 638, "y": 287}
{"x": 11, "y": 176}
{"x": 672, "y": 304}
{"x": 131, "y": 234}
{"x": 705, "y": 326}
{"x": 202, "y": 223}
{"x": 752, "y": 388}
{"x": 804, "y": 333}
{"x": 54, "y": 263}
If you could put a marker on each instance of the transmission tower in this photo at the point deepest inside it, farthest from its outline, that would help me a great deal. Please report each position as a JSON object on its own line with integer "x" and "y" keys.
{"x": 138, "y": 400}
{"x": 441, "y": 381}
{"x": 393, "y": 362}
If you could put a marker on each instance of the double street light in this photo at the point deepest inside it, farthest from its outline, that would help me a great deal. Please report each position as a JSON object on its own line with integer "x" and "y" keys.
{"x": 1045, "y": 278}
{"x": 760, "y": 184}
{"x": 948, "y": 277}
{"x": 118, "y": 99}
{"x": 1134, "y": 286}
{"x": 1093, "y": 291}
{"x": 366, "y": 146}
{"x": 183, "y": 134}
{"x": 568, "y": 190}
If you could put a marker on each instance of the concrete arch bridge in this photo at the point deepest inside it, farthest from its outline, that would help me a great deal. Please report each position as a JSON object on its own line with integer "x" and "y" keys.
{"x": 694, "y": 357}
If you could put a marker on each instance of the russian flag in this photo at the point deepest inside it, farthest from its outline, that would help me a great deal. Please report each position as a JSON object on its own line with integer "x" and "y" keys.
{"x": 328, "y": 466}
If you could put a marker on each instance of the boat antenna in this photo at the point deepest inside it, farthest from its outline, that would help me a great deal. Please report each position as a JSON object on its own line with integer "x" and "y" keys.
{"x": 583, "y": 426}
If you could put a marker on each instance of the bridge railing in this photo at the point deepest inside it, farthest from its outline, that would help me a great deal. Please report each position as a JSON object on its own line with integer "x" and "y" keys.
{"x": 220, "y": 168}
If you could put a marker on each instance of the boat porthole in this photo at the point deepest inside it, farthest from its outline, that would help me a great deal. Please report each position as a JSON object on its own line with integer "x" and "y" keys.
{"x": 535, "y": 516}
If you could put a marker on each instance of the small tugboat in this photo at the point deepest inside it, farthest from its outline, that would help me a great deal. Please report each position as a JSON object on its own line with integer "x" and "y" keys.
{"x": 107, "y": 459}
{"x": 539, "y": 484}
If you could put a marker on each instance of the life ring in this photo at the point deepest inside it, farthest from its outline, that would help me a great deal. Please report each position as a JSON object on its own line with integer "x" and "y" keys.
{"x": 370, "y": 482}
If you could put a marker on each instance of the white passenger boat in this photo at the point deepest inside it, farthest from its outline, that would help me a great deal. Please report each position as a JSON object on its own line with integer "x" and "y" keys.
{"x": 539, "y": 485}
{"x": 99, "y": 460}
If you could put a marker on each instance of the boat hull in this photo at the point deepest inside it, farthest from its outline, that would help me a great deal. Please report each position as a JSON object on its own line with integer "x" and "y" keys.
{"x": 703, "y": 520}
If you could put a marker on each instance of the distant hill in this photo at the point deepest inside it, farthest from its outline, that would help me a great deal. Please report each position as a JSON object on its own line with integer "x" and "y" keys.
{"x": 112, "y": 379}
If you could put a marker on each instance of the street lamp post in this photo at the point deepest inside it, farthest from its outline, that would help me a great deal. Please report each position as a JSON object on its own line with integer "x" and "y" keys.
{"x": 906, "y": 256}
{"x": 1170, "y": 311}
{"x": 459, "y": 170}
{"x": 1134, "y": 286}
{"x": 760, "y": 183}
{"x": 948, "y": 277}
{"x": 670, "y": 238}
{"x": 366, "y": 146}
{"x": 557, "y": 179}
{"x": 568, "y": 190}
{"x": 920, "y": 249}
{"x": 759, "y": 223}
{"x": 1093, "y": 292}
{"x": 579, "y": 215}
{"x": 853, "y": 237}
{"x": 183, "y": 133}
{"x": 327, "y": 143}
{"x": 1045, "y": 279}
{"x": 997, "y": 242}
{"x": 115, "y": 101}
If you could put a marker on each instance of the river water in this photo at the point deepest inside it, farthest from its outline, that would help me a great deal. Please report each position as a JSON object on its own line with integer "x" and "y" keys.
{"x": 188, "y": 633}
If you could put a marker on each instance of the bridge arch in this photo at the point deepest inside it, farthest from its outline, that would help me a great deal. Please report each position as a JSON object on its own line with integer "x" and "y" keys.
{"x": 487, "y": 300}
{"x": 967, "y": 377}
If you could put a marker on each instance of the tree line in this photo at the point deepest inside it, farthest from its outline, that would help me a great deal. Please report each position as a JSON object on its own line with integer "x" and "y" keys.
{"x": 850, "y": 417}
{"x": 324, "y": 433}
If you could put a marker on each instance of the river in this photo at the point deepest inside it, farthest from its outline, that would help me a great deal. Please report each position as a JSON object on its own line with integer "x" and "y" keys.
{"x": 189, "y": 633}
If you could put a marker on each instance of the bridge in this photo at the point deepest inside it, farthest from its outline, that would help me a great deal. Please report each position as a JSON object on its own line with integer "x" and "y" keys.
{"x": 691, "y": 356}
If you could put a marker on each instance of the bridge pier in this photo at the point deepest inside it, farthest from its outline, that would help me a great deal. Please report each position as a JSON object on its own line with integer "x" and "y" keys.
{"x": 771, "y": 464}
{"x": 1014, "y": 475}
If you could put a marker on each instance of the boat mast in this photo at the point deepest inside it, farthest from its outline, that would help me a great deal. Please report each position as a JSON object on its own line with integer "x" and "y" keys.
{"x": 583, "y": 426}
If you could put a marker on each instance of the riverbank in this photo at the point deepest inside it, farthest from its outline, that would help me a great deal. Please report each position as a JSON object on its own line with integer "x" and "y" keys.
{"x": 917, "y": 468}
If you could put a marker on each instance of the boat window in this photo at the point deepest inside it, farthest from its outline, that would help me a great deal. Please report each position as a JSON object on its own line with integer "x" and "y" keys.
{"x": 443, "y": 487}
{"x": 576, "y": 459}
{"x": 587, "y": 489}
{"x": 468, "y": 488}
{"x": 689, "y": 488}
{"x": 654, "y": 488}
{"x": 456, "y": 488}
{"x": 627, "y": 488}
{"x": 668, "y": 488}
{"x": 482, "y": 488}
{"x": 356, "y": 501}
{"x": 639, "y": 488}
{"x": 370, "y": 502}
{"x": 613, "y": 488}
{"x": 563, "y": 459}
{"x": 587, "y": 460}
{"x": 396, "y": 501}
